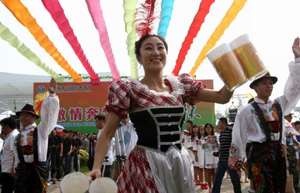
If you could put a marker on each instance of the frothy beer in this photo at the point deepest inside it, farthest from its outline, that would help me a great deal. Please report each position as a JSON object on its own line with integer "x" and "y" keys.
{"x": 227, "y": 66}
{"x": 248, "y": 57}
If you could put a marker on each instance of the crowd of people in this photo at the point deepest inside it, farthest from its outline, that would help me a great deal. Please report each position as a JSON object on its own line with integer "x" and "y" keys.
{"x": 63, "y": 152}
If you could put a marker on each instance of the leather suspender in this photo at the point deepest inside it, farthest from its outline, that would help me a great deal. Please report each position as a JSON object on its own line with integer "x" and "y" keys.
{"x": 21, "y": 158}
{"x": 35, "y": 145}
{"x": 279, "y": 112}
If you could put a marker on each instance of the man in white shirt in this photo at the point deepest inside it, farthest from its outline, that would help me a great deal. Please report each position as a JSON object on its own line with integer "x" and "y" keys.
{"x": 109, "y": 158}
{"x": 32, "y": 142}
{"x": 261, "y": 123}
{"x": 7, "y": 163}
{"x": 291, "y": 140}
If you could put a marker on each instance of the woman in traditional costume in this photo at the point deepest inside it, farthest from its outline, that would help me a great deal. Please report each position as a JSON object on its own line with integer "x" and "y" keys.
{"x": 155, "y": 105}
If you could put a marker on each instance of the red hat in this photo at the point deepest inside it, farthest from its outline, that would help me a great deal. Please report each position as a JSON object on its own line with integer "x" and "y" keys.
{"x": 28, "y": 108}
{"x": 274, "y": 79}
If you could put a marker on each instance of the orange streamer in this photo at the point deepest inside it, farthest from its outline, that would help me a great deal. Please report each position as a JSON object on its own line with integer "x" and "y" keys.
{"x": 25, "y": 18}
{"x": 231, "y": 14}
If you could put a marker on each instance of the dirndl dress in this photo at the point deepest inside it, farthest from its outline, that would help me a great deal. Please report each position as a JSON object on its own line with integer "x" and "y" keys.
{"x": 158, "y": 163}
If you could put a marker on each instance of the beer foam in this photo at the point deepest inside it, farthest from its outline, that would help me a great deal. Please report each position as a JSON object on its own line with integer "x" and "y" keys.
{"x": 241, "y": 40}
{"x": 218, "y": 52}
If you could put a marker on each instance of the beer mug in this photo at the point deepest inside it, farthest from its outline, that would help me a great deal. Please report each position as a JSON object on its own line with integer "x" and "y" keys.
{"x": 248, "y": 57}
{"x": 227, "y": 66}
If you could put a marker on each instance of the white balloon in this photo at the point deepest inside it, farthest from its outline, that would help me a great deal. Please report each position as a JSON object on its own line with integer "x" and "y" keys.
{"x": 103, "y": 185}
{"x": 75, "y": 183}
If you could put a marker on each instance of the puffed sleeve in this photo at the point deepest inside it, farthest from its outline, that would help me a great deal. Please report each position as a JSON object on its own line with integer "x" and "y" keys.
{"x": 191, "y": 87}
{"x": 118, "y": 98}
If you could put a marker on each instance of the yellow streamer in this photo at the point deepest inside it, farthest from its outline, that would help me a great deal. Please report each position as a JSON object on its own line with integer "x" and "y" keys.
{"x": 24, "y": 17}
{"x": 231, "y": 14}
{"x": 249, "y": 95}
{"x": 129, "y": 7}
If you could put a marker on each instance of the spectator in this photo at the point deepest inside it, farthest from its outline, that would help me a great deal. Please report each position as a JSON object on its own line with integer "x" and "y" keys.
{"x": 211, "y": 145}
{"x": 59, "y": 158}
{"x": 67, "y": 150}
{"x": 186, "y": 137}
{"x": 297, "y": 128}
{"x": 225, "y": 142}
{"x": 9, "y": 126}
{"x": 78, "y": 146}
{"x": 200, "y": 156}
{"x": 291, "y": 134}
{"x": 130, "y": 136}
{"x": 109, "y": 158}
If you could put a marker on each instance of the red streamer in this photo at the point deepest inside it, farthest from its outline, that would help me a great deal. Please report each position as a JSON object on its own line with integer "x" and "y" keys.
{"x": 58, "y": 15}
{"x": 192, "y": 33}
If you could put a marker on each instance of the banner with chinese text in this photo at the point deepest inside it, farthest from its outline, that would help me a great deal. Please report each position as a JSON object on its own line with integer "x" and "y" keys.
{"x": 202, "y": 112}
{"x": 80, "y": 103}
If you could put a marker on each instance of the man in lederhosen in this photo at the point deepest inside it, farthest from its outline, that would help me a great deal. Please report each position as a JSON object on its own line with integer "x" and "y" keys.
{"x": 32, "y": 143}
{"x": 261, "y": 123}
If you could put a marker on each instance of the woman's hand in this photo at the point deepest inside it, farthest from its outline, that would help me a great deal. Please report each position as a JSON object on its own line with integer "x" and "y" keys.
{"x": 296, "y": 48}
{"x": 94, "y": 174}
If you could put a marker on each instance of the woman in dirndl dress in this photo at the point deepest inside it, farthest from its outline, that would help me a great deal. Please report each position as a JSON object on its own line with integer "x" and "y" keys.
{"x": 155, "y": 105}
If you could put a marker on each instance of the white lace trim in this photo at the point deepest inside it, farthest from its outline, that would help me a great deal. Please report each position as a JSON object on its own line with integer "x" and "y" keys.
{"x": 177, "y": 87}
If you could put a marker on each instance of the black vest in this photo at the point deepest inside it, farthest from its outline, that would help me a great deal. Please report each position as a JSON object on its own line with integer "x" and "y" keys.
{"x": 159, "y": 128}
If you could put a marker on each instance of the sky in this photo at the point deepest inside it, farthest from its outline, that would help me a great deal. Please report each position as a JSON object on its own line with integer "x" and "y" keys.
{"x": 271, "y": 24}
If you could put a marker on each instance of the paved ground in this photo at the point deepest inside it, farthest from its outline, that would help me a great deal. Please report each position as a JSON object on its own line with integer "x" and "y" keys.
{"x": 226, "y": 187}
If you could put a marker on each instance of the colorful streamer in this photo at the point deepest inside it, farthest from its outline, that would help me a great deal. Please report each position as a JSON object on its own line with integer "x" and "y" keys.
{"x": 231, "y": 14}
{"x": 249, "y": 95}
{"x": 13, "y": 40}
{"x": 166, "y": 14}
{"x": 192, "y": 33}
{"x": 129, "y": 7}
{"x": 99, "y": 22}
{"x": 58, "y": 15}
{"x": 24, "y": 17}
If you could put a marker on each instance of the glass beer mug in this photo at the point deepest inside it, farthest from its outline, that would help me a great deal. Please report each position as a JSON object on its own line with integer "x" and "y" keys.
{"x": 227, "y": 66}
{"x": 248, "y": 57}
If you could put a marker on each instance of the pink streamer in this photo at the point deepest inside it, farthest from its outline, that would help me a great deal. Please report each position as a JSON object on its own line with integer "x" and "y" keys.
{"x": 57, "y": 13}
{"x": 99, "y": 22}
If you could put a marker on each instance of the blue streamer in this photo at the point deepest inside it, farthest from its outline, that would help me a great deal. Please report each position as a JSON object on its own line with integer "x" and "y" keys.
{"x": 166, "y": 13}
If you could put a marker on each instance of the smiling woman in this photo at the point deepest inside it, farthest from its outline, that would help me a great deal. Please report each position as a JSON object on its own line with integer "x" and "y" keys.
{"x": 156, "y": 108}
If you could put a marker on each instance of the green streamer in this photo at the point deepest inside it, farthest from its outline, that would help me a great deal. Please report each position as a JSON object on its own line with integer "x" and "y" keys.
{"x": 13, "y": 40}
{"x": 129, "y": 7}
